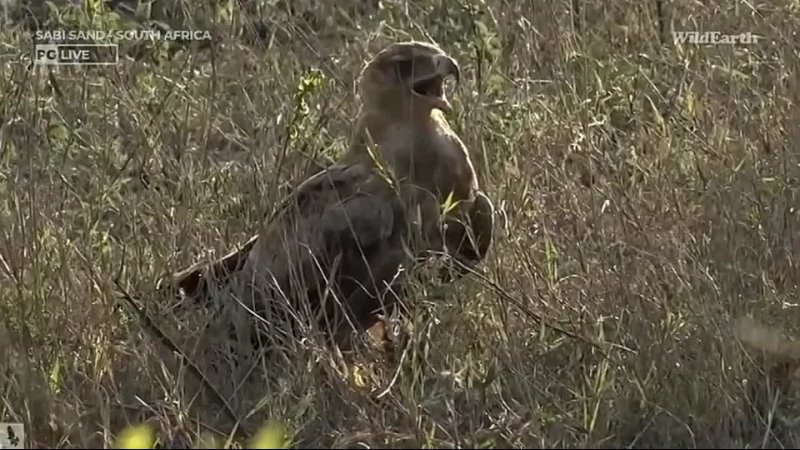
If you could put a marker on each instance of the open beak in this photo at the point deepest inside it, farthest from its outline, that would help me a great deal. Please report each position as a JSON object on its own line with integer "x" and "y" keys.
{"x": 447, "y": 66}
{"x": 432, "y": 86}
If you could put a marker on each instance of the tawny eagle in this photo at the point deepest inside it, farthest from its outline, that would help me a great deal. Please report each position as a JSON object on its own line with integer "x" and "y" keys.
{"x": 405, "y": 189}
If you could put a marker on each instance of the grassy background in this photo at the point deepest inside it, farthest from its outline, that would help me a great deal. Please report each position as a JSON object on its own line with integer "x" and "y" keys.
{"x": 650, "y": 192}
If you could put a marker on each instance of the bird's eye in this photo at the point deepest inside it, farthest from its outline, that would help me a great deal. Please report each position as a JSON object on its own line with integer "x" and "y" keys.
{"x": 405, "y": 69}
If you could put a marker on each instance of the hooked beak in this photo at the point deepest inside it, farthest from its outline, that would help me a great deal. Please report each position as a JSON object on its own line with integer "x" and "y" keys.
{"x": 432, "y": 86}
{"x": 447, "y": 66}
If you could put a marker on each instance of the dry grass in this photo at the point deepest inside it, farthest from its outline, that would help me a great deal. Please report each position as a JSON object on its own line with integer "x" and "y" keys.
{"x": 650, "y": 189}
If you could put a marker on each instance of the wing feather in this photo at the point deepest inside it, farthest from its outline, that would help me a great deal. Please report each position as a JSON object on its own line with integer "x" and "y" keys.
{"x": 342, "y": 233}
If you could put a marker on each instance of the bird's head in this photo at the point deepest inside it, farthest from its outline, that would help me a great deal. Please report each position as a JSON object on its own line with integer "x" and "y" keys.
{"x": 410, "y": 75}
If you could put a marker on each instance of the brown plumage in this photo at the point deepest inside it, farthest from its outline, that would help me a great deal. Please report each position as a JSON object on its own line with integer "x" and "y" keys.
{"x": 345, "y": 234}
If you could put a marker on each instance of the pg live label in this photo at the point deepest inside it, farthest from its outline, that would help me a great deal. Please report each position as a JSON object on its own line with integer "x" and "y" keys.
{"x": 75, "y": 54}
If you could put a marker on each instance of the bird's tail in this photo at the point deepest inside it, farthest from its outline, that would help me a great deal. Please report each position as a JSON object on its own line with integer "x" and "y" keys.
{"x": 193, "y": 282}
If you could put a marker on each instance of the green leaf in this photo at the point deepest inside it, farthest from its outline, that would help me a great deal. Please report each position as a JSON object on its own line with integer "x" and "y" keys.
{"x": 55, "y": 377}
{"x": 58, "y": 133}
{"x": 272, "y": 435}
{"x": 138, "y": 436}
{"x": 690, "y": 104}
{"x": 449, "y": 204}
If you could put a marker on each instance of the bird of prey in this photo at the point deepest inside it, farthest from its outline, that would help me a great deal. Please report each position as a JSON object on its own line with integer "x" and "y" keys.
{"x": 406, "y": 188}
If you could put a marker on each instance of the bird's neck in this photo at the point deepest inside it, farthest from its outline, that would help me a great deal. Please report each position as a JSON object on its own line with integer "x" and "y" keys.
{"x": 375, "y": 125}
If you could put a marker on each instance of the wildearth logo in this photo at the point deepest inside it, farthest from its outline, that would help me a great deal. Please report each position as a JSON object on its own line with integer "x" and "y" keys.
{"x": 12, "y": 435}
{"x": 712, "y": 38}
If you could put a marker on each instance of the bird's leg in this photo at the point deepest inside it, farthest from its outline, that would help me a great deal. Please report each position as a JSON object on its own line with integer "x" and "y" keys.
{"x": 376, "y": 323}
{"x": 390, "y": 344}
{"x": 377, "y": 329}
